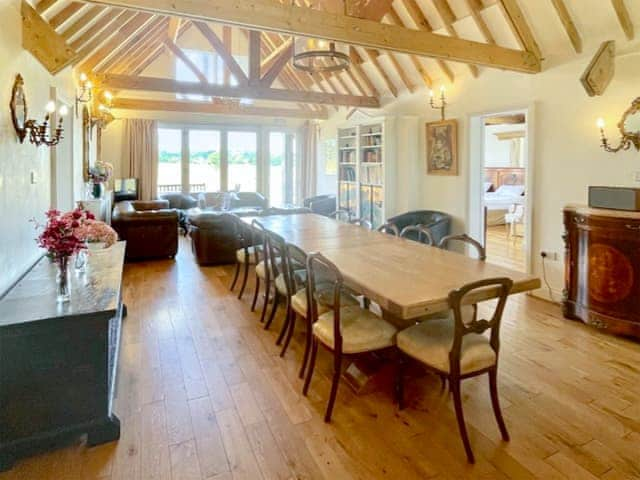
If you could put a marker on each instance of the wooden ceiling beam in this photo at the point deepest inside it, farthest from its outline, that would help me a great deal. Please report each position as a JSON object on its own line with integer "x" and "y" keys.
{"x": 87, "y": 17}
{"x": 567, "y": 23}
{"x": 154, "y": 84}
{"x": 177, "y": 51}
{"x": 272, "y": 72}
{"x": 154, "y": 53}
{"x": 274, "y": 55}
{"x": 98, "y": 32}
{"x": 518, "y": 23}
{"x": 624, "y": 18}
{"x": 218, "y": 45}
{"x": 372, "y": 57}
{"x": 448, "y": 19}
{"x": 220, "y": 108}
{"x": 125, "y": 49}
{"x": 44, "y": 5}
{"x": 142, "y": 50}
{"x": 65, "y": 14}
{"x": 119, "y": 37}
{"x": 254, "y": 57}
{"x": 422, "y": 23}
{"x": 42, "y": 41}
{"x": 356, "y": 62}
{"x": 227, "y": 40}
{"x": 174, "y": 28}
{"x": 475, "y": 8}
{"x": 356, "y": 81}
{"x": 290, "y": 19}
{"x": 393, "y": 18}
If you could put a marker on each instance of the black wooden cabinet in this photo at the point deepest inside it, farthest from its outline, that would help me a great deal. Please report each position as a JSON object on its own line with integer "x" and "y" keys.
{"x": 58, "y": 362}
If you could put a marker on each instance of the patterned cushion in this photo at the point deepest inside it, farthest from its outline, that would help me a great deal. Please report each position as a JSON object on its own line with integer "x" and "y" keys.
{"x": 260, "y": 270}
{"x": 299, "y": 301}
{"x": 362, "y": 331}
{"x": 431, "y": 341}
{"x": 241, "y": 256}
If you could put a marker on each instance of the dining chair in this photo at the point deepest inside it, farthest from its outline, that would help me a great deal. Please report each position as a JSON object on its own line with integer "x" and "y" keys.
{"x": 263, "y": 268}
{"x": 278, "y": 270}
{"x": 514, "y": 216}
{"x": 341, "y": 215}
{"x": 362, "y": 223}
{"x": 246, "y": 255}
{"x": 421, "y": 231}
{"x": 456, "y": 347}
{"x": 300, "y": 300}
{"x": 464, "y": 238}
{"x": 389, "y": 228}
{"x": 345, "y": 330}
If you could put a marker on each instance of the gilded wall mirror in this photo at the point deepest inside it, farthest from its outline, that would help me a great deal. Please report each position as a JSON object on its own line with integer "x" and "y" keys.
{"x": 18, "y": 106}
{"x": 629, "y": 127}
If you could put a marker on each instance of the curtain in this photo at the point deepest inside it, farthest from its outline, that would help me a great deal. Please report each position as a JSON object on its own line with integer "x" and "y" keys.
{"x": 140, "y": 155}
{"x": 308, "y": 163}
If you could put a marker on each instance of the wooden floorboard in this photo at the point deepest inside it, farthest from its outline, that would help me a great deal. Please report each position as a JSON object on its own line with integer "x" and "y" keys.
{"x": 503, "y": 251}
{"x": 202, "y": 394}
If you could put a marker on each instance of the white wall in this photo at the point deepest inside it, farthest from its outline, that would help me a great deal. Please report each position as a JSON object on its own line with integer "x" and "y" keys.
{"x": 498, "y": 153}
{"x": 21, "y": 200}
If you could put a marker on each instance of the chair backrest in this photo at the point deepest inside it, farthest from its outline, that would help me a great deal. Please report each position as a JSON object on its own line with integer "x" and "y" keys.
{"x": 319, "y": 267}
{"x": 276, "y": 248}
{"x": 465, "y": 325}
{"x": 362, "y": 222}
{"x": 482, "y": 252}
{"x": 421, "y": 230}
{"x": 389, "y": 228}
{"x": 296, "y": 259}
{"x": 341, "y": 215}
{"x": 284, "y": 211}
{"x": 259, "y": 237}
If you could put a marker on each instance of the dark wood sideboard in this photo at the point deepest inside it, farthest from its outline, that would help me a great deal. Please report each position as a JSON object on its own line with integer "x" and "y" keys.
{"x": 58, "y": 362}
{"x": 602, "y": 268}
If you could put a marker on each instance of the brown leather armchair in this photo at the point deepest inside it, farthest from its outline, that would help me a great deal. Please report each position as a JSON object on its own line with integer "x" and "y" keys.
{"x": 149, "y": 227}
{"x": 214, "y": 237}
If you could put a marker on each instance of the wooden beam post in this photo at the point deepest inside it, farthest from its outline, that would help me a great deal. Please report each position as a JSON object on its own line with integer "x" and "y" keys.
{"x": 520, "y": 27}
{"x": 42, "y": 41}
{"x": 254, "y": 57}
{"x": 220, "y": 48}
{"x": 177, "y": 51}
{"x": 567, "y": 23}
{"x": 624, "y": 18}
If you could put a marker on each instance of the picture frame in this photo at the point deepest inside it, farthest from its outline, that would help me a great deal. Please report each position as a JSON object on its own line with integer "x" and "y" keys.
{"x": 442, "y": 147}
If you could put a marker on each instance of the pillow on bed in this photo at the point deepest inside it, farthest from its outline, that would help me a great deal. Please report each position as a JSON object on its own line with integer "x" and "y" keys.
{"x": 513, "y": 190}
{"x": 487, "y": 186}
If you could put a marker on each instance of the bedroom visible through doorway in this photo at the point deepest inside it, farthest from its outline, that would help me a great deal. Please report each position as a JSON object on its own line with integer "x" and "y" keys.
{"x": 504, "y": 188}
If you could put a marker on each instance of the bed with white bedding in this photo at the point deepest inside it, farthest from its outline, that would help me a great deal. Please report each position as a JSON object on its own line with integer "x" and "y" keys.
{"x": 498, "y": 202}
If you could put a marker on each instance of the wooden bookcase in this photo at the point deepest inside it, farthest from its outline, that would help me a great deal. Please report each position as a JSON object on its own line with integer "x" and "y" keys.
{"x": 364, "y": 169}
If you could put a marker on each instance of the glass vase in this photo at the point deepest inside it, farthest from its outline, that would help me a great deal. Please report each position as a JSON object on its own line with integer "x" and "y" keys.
{"x": 80, "y": 261}
{"x": 63, "y": 285}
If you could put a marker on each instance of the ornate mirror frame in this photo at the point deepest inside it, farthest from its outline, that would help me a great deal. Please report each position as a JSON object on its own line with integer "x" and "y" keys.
{"x": 19, "y": 100}
{"x": 632, "y": 137}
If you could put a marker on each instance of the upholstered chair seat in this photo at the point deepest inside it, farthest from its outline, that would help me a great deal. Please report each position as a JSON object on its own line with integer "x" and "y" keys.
{"x": 324, "y": 297}
{"x": 362, "y": 330}
{"x": 430, "y": 342}
{"x": 251, "y": 255}
{"x": 261, "y": 270}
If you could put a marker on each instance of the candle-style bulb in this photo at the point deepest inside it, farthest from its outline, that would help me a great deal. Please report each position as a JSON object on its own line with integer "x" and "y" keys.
{"x": 600, "y": 123}
{"x": 83, "y": 77}
{"x": 108, "y": 95}
{"x": 442, "y": 89}
{"x": 50, "y": 107}
{"x": 431, "y": 93}
{"x": 63, "y": 111}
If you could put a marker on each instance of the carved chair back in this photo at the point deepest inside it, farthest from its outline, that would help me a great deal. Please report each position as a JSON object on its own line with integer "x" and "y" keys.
{"x": 482, "y": 252}
{"x": 421, "y": 230}
{"x": 389, "y": 228}
{"x": 465, "y": 326}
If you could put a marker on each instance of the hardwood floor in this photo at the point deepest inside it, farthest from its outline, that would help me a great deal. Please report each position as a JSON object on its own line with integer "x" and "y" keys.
{"x": 505, "y": 252}
{"x": 202, "y": 394}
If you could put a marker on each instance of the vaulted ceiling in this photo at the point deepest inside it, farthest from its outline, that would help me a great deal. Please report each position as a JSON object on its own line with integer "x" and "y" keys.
{"x": 395, "y": 46}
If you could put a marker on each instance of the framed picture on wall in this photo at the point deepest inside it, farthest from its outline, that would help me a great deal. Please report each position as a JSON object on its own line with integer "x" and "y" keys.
{"x": 442, "y": 147}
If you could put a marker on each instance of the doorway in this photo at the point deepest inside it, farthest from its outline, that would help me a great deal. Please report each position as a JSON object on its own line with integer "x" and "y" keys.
{"x": 500, "y": 187}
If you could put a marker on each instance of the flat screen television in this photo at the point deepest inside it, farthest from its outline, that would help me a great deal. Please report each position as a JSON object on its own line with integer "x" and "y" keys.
{"x": 125, "y": 189}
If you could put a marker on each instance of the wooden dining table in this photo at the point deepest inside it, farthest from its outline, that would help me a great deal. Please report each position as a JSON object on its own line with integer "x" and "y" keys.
{"x": 406, "y": 278}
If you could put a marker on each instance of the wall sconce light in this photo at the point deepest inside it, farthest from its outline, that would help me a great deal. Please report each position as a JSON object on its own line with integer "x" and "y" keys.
{"x": 41, "y": 133}
{"x": 443, "y": 102}
{"x": 629, "y": 127}
{"x": 84, "y": 94}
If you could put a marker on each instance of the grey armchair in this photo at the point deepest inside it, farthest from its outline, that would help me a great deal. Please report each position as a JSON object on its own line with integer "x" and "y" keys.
{"x": 439, "y": 223}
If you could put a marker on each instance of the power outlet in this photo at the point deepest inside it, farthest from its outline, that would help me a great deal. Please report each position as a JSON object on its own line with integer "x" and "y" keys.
{"x": 547, "y": 255}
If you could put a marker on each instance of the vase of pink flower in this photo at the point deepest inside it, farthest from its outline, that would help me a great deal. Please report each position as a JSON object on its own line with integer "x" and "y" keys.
{"x": 59, "y": 238}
